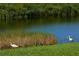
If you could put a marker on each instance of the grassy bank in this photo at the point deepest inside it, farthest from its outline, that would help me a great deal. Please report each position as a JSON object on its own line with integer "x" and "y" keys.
{"x": 68, "y": 49}
{"x": 25, "y": 39}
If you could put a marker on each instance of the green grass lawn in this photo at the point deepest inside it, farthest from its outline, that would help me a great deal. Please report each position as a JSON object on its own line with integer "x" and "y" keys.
{"x": 67, "y": 49}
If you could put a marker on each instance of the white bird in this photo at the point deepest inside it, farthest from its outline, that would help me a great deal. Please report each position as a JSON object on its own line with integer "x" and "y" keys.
{"x": 13, "y": 45}
{"x": 70, "y": 39}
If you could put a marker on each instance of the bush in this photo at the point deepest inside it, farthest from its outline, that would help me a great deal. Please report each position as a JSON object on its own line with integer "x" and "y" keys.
{"x": 26, "y": 39}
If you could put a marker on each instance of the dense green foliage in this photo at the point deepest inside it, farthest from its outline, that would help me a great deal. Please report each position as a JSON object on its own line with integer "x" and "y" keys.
{"x": 20, "y": 13}
{"x": 68, "y": 49}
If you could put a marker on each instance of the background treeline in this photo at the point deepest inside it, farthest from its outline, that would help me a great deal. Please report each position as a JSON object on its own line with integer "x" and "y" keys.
{"x": 16, "y": 13}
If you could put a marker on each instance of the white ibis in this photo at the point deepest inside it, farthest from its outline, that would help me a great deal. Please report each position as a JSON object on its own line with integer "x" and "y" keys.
{"x": 70, "y": 39}
{"x": 13, "y": 45}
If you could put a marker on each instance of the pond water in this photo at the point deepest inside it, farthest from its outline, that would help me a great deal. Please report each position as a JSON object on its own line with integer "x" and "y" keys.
{"x": 60, "y": 30}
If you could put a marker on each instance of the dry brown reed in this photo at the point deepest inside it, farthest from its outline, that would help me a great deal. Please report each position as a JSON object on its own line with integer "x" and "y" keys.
{"x": 26, "y": 39}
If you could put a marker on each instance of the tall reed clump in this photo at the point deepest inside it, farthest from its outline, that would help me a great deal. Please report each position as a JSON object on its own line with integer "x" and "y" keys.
{"x": 25, "y": 39}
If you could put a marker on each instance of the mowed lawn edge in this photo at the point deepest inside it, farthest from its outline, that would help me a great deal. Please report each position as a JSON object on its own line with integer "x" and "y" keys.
{"x": 66, "y": 49}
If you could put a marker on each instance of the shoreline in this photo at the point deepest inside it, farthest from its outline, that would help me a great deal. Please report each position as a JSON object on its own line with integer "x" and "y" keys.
{"x": 23, "y": 39}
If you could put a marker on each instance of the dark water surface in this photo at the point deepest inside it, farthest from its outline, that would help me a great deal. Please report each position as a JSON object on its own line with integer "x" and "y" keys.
{"x": 60, "y": 30}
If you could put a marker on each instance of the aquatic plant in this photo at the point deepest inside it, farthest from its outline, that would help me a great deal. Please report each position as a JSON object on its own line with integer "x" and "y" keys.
{"x": 26, "y": 39}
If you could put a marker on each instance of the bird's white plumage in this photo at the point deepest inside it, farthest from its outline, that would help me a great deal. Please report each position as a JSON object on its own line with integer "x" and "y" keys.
{"x": 13, "y": 45}
{"x": 70, "y": 39}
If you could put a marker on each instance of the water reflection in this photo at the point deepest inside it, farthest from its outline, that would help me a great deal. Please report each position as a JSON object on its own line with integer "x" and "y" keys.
{"x": 60, "y": 27}
{"x": 60, "y": 30}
